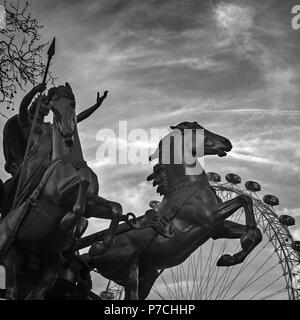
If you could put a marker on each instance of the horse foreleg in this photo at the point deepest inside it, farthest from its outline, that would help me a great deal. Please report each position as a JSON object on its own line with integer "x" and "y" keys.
{"x": 98, "y": 207}
{"x": 229, "y": 230}
{"x": 131, "y": 284}
{"x": 81, "y": 185}
{"x": 249, "y": 234}
{"x": 101, "y": 208}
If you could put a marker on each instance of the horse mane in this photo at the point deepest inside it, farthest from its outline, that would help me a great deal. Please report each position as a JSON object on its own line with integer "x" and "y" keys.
{"x": 61, "y": 91}
{"x": 159, "y": 174}
{"x": 159, "y": 177}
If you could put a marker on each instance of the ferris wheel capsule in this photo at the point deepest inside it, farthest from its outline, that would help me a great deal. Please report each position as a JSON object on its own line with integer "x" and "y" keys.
{"x": 233, "y": 178}
{"x": 213, "y": 176}
{"x": 271, "y": 200}
{"x": 287, "y": 220}
{"x": 252, "y": 186}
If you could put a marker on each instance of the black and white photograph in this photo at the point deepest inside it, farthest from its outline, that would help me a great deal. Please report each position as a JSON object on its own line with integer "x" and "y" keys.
{"x": 150, "y": 151}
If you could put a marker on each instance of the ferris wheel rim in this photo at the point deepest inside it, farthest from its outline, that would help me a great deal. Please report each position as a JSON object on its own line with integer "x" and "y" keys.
{"x": 258, "y": 203}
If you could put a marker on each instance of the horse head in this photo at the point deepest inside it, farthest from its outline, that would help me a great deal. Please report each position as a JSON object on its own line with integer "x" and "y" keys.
{"x": 178, "y": 151}
{"x": 192, "y": 138}
{"x": 62, "y": 103}
{"x": 210, "y": 142}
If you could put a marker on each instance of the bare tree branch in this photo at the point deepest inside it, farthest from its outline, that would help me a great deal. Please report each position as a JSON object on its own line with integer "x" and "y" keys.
{"x": 20, "y": 51}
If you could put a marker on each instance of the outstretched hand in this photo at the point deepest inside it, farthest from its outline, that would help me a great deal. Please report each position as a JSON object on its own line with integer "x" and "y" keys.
{"x": 100, "y": 99}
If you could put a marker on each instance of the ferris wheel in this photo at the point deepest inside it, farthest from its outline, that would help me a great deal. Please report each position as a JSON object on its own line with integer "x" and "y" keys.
{"x": 271, "y": 271}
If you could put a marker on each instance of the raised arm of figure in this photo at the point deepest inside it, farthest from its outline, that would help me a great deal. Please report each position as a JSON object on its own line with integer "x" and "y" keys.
{"x": 86, "y": 113}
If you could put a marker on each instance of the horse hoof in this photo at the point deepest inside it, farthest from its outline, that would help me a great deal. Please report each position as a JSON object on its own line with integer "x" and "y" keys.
{"x": 226, "y": 260}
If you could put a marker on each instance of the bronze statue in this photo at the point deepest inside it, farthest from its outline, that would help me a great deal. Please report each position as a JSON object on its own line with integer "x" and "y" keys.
{"x": 44, "y": 207}
{"x": 190, "y": 214}
{"x": 44, "y": 223}
{"x": 15, "y": 138}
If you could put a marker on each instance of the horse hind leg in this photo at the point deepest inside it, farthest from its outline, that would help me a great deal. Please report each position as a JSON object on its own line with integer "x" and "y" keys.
{"x": 146, "y": 281}
{"x": 229, "y": 230}
{"x": 131, "y": 283}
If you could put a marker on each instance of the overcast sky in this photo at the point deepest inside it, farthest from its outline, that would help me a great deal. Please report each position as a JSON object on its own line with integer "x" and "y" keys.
{"x": 233, "y": 66}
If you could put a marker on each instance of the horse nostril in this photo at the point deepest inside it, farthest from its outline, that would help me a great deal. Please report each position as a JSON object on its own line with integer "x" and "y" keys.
{"x": 69, "y": 139}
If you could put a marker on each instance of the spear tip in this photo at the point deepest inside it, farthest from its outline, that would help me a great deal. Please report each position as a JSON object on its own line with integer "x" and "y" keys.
{"x": 51, "y": 50}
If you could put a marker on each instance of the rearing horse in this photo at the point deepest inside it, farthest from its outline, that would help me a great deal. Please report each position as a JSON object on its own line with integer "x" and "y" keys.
{"x": 137, "y": 254}
{"x": 68, "y": 191}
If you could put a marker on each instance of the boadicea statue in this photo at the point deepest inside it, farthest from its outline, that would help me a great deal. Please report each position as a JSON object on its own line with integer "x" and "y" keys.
{"x": 52, "y": 191}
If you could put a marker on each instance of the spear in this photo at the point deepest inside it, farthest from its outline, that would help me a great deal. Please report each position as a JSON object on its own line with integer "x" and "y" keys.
{"x": 50, "y": 53}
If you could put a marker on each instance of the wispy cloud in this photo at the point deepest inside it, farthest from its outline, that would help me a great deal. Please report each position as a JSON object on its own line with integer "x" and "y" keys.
{"x": 231, "y": 65}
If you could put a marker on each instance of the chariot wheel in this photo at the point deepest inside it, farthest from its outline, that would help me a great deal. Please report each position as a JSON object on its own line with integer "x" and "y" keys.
{"x": 271, "y": 271}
